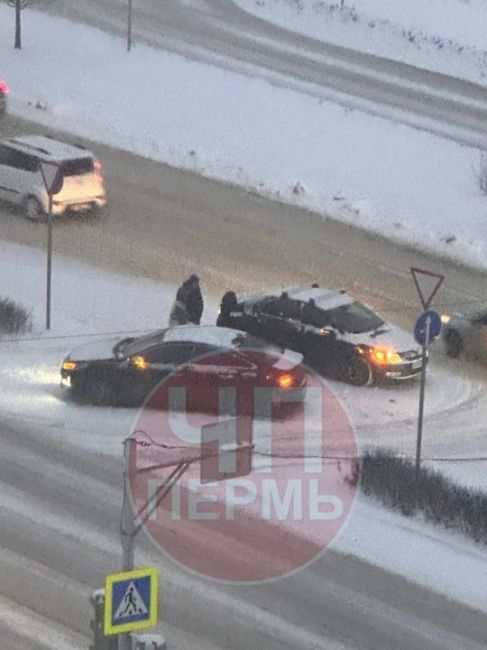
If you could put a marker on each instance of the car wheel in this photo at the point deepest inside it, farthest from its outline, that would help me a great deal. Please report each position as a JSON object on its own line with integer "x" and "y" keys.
{"x": 453, "y": 344}
{"x": 358, "y": 372}
{"x": 33, "y": 208}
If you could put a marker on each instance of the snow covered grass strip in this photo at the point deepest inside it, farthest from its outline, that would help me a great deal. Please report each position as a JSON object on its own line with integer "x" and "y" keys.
{"x": 14, "y": 318}
{"x": 392, "y": 480}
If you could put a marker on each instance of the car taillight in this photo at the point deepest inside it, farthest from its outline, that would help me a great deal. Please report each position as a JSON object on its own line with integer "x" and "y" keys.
{"x": 98, "y": 170}
{"x": 283, "y": 379}
{"x": 4, "y": 87}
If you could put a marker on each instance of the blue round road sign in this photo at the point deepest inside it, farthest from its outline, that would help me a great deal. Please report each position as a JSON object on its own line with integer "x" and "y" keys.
{"x": 421, "y": 327}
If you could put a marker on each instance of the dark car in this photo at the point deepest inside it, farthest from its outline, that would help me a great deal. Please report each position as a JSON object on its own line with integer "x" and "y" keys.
{"x": 337, "y": 335}
{"x": 465, "y": 333}
{"x": 125, "y": 372}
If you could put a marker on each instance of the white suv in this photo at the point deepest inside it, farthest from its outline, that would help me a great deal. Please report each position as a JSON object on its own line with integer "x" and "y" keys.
{"x": 21, "y": 179}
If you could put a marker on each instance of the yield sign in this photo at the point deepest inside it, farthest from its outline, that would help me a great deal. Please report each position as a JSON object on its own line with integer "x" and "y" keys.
{"x": 52, "y": 177}
{"x": 427, "y": 284}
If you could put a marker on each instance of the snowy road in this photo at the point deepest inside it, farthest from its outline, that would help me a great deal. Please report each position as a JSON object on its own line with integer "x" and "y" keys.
{"x": 60, "y": 539}
{"x": 218, "y": 32}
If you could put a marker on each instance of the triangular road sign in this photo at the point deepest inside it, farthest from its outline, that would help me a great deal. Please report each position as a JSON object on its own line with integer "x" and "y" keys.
{"x": 52, "y": 177}
{"x": 132, "y": 604}
{"x": 427, "y": 284}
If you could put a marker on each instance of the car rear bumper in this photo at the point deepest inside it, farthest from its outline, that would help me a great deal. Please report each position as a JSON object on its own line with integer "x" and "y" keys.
{"x": 60, "y": 207}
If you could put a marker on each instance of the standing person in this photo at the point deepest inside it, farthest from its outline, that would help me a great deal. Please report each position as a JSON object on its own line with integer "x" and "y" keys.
{"x": 189, "y": 294}
{"x": 193, "y": 299}
{"x": 229, "y": 303}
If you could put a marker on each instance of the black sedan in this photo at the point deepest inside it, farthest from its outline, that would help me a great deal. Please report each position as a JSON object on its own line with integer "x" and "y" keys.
{"x": 338, "y": 335}
{"x": 125, "y": 372}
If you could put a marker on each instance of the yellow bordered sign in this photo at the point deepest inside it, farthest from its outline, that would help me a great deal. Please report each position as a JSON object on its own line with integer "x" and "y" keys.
{"x": 131, "y": 600}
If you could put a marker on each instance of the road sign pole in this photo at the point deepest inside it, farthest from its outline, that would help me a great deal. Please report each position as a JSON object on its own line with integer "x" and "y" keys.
{"x": 127, "y": 530}
{"x": 53, "y": 182}
{"x": 49, "y": 264}
{"x": 421, "y": 399}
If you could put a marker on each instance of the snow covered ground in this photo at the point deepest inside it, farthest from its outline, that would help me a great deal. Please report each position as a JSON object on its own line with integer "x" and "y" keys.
{"x": 446, "y": 36}
{"x": 396, "y": 180}
{"x": 106, "y": 303}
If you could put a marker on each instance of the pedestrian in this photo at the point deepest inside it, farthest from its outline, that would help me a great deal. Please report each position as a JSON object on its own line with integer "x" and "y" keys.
{"x": 189, "y": 294}
{"x": 228, "y": 305}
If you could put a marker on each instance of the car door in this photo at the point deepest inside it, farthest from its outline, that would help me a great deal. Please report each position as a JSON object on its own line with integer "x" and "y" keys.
{"x": 18, "y": 174}
{"x": 221, "y": 377}
{"x": 26, "y": 175}
{"x": 280, "y": 323}
{"x": 9, "y": 190}
{"x": 147, "y": 368}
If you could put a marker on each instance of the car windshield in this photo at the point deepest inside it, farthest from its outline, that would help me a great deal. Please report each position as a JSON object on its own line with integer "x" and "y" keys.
{"x": 354, "y": 318}
{"x": 131, "y": 346}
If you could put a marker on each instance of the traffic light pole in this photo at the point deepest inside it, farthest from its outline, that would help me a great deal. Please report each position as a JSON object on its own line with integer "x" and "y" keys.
{"x": 129, "y": 527}
{"x": 132, "y": 521}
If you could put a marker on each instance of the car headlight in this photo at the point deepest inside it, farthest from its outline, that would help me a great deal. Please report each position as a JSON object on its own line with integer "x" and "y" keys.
{"x": 139, "y": 362}
{"x": 70, "y": 365}
{"x": 384, "y": 357}
{"x": 445, "y": 319}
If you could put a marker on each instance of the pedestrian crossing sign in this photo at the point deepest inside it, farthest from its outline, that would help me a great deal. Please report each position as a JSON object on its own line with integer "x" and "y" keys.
{"x": 131, "y": 600}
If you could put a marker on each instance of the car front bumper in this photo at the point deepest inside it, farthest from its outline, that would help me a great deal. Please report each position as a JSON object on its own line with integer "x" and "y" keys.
{"x": 400, "y": 372}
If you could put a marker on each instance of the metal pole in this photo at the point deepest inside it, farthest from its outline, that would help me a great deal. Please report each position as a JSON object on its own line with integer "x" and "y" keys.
{"x": 18, "y": 28}
{"x": 129, "y": 26}
{"x": 421, "y": 398}
{"x": 127, "y": 530}
{"x": 49, "y": 265}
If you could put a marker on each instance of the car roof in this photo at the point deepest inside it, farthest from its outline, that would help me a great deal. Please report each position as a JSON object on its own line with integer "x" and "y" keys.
{"x": 47, "y": 148}
{"x": 206, "y": 334}
{"x": 324, "y": 298}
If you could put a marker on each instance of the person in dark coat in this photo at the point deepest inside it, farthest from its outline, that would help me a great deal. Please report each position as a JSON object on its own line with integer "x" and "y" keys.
{"x": 229, "y": 304}
{"x": 189, "y": 294}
